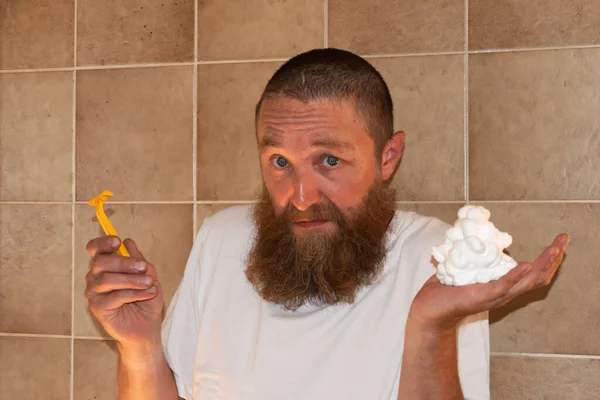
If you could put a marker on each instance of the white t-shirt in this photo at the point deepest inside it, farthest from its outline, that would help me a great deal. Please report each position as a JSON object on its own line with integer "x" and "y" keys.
{"x": 223, "y": 342}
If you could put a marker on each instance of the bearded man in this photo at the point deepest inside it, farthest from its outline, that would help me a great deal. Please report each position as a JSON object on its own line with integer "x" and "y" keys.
{"x": 322, "y": 289}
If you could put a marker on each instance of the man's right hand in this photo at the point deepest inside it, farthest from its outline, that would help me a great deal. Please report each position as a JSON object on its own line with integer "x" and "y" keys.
{"x": 124, "y": 295}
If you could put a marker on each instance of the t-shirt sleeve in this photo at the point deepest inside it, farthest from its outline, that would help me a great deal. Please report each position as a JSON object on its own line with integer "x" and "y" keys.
{"x": 180, "y": 326}
{"x": 473, "y": 333}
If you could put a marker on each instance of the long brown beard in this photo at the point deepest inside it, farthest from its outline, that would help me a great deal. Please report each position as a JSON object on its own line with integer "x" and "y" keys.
{"x": 317, "y": 267}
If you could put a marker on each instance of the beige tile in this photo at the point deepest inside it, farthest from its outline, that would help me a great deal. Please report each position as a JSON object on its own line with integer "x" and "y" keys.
{"x": 380, "y": 26}
{"x": 446, "y": 212}
{"x": 521, "y": 377}
{"x": 95, "y": 370}
{"x": 163, "y": 233}
{"x": 534, "y": 125}
{"x": 428, "y": 100}
{"x": 562, "y": 319}
{"x": 228, "y": 165}
{"x": 35, "y": 269}
{"x": 36, "y": 34}
{"x": 36, "y": 135}
{"x": 527, "y": 23}
{"x": 257, "y": 29}
{"x": 34, "y": 368}
{"x": 134, "y": 133}
{"x": 139, "y": 31}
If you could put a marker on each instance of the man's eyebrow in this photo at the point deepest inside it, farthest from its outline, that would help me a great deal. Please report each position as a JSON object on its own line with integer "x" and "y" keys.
{"x": 273, "y": 139}
{"x": 332, "y": 143}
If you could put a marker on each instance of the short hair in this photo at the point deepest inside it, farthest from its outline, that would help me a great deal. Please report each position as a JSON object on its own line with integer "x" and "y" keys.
{"x": 335, "y": 74}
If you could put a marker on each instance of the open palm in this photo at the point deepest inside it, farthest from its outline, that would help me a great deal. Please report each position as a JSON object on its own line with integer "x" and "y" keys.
{"x": 443, "y": 305}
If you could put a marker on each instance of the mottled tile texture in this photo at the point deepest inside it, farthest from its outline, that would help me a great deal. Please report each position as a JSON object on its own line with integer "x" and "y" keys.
{"x": 534, "y": 125}
{"x": 139, "y": 31}
{"x": 384, "y": 27}
{"x": 36, "y": 34}
{"x": 134, "y": 133}
{"x": 533, "y": 23}
{"x": 521, "y": 377}
{"x": 34, "y": 368}
{"x": 35, "y": 269}
{"x": 36, "y": 136}
{"x": 258, "y": 29}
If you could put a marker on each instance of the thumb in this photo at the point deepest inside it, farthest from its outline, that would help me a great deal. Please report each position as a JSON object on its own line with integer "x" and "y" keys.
{"x": 133, "y": 250}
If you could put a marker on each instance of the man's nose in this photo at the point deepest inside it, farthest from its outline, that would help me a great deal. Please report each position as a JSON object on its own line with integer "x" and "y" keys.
{"x": 306, "y": 192}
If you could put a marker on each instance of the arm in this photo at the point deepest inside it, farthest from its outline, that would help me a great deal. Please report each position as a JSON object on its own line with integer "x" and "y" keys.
{"x": 430, "y": 359}
{"x": 429, "y": 364}
{"x": 146, "y": 377}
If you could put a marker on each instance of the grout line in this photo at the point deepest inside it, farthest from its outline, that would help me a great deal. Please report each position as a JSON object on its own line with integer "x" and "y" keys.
{"x": 178, "y": 64}
{"x": 525, "y": 49}
{"x": 265, "y": 60}
{"x": 195, "y": 125}
{"x": 129, "y": 66}
{"x": 73, "y": 198}
{"x": 394, "y": 55}
{"x": 26, "y": 70}
{"x": 325, "y": 23}
{"x": 466, "y": 105}
{"x": 34, "y": 335}
{"x": 544, "y": 355}
{"x": 101, "y": 339}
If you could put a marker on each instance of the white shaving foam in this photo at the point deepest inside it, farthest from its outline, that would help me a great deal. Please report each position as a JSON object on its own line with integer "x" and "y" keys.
{"x": 473, "y": 250}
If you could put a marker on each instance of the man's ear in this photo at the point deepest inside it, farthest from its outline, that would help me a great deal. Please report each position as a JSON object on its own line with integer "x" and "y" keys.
{"x": 392, "y": 154}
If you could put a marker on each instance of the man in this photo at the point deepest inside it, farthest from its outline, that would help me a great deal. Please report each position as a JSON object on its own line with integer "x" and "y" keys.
{"x": 322, "y": 290}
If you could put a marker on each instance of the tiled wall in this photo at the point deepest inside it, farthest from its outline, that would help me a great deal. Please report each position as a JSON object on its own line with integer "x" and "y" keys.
{"x": 499, "y": 100}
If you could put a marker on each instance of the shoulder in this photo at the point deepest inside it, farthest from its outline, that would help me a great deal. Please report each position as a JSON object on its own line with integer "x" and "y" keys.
{"x": 414, "y": 236}
{"x": 419, "y": 232}
{"x": 229, "y": 221}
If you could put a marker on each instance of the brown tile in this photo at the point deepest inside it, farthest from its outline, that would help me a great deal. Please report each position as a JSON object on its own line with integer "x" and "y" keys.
{"x": 523, "y": 377}
{"x": 134, "y": 133}
{"x": 446, "y": 212}
{"x": 163, "y": 233}
{"x": 534, "y": 125}
{"x": 428, "y": 100}
{"x": 36, "y": 135}
{"x": 523, "y": 23}
{"x": 139, "y": 31}
{"x": 384, "y": 27}
{"x": 529, "y": 324}
{"x": 228, "y": 165}
{"x": 256, "y": 29}
{"x": 34, "y": 368}
{"x": 95, "y": 370}
{"x": 35, "y": 266}
{"x": 36, "y": 34}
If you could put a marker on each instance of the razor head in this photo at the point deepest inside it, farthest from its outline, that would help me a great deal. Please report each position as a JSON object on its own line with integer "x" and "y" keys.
{"x": 101, "y": 198}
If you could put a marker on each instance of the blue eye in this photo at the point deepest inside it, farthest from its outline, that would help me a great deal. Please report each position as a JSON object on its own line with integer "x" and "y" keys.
{"x": 281, "y": 162}
{"x": 332, "y": 161}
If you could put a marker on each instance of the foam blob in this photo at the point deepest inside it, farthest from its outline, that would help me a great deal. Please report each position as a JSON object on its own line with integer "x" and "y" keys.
{"x": 473, "y": 250}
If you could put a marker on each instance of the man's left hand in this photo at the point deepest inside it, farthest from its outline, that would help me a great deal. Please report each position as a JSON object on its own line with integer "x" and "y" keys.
{"x": 441, "y": 307}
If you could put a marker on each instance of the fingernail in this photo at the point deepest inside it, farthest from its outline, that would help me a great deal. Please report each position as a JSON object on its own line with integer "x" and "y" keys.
{"x": 114, "y": 242}
{"x": 152, "y": 289}
{"x": 146, "y": 280}
{"x": 140, "y": 266}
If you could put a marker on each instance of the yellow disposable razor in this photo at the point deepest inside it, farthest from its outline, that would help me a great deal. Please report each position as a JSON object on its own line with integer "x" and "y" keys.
{"x": 98, "y": 202}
